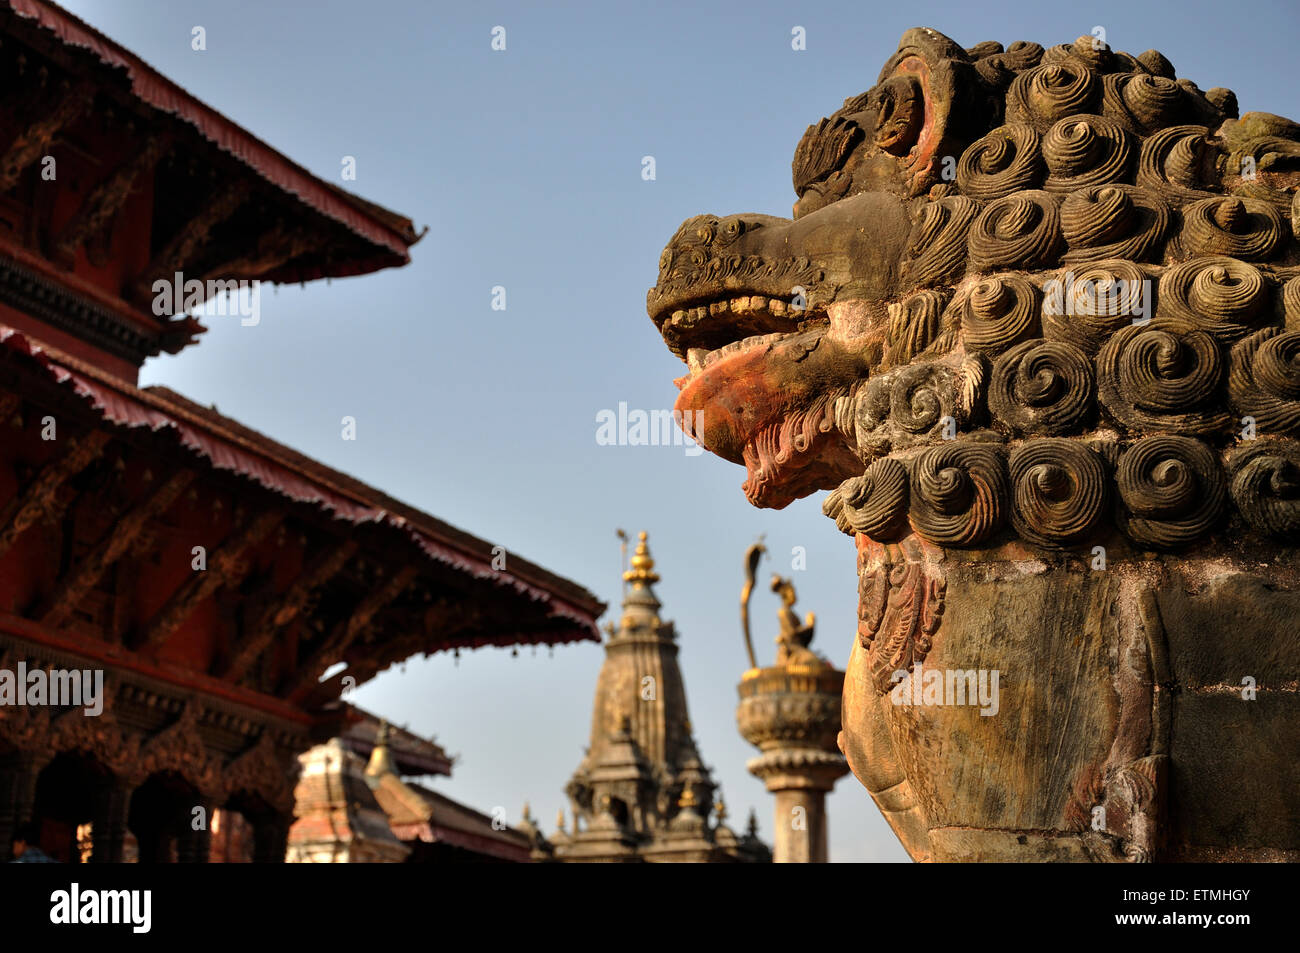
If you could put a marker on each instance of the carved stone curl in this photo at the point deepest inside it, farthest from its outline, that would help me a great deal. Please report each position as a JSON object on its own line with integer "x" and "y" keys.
{"x": 997, "y": 312}
{"x": 1291, "y": 300}
{"x": 905, "y": 404}
{"x": 1142, "y": 103}
{"x": 1171, "y": 491}
{"x": 958, "y": 493}
{"x": 1019, "y": 231}
{"x": 1164, "y": 375}
{"x": 1042, "y": 387}
{"x": 1226, "y": 225}
{"x": 1266, "y": 486}
{"x": 1086, "y": 151}
{"x": 1264, "y": 379}
{"x": 936, "y": 246}
{"x": 1000, "y": 67}
{"x": 1226, "y": 297}
{"x": 1060, "y": 489}
{"x": 913, "y": 324}
{"x": 1085, "y": 306}
{"x": 874, "y": 504}
{"x": 1045, "y": 94}
{"x": 1004, "y": 162}
{"x": 1114, "y": 221}
{"x": 1177, "y": 162}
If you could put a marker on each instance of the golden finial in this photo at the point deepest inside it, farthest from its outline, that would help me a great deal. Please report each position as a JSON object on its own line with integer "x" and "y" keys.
{"x": 688, "y": 796}
{"x": 559, "y": 819}
{"x": 643, "y": 564}
{"x": 721, "y": 808}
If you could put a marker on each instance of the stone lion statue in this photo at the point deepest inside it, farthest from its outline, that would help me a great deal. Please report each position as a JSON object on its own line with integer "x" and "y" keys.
{"x": 1035, "y": 323}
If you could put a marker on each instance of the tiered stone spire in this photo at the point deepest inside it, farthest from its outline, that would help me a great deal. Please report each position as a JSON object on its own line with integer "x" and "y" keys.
{"x": 643, "y": 770}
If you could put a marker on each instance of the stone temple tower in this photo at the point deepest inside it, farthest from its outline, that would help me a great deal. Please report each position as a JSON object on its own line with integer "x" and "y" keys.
{"x": 642, "y": 792}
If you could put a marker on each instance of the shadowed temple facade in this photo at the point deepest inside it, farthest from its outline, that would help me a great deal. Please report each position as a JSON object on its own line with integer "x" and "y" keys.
{"x": 182, "y": 598}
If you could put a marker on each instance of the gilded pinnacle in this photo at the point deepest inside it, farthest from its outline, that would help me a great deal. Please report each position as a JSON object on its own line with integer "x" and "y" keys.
{"x": 643, "y": 564}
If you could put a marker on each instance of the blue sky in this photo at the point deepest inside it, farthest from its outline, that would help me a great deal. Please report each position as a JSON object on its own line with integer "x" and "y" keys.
{"x": 526, "y": 166}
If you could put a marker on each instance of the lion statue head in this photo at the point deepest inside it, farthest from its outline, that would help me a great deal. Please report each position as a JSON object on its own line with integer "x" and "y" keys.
{"x": 1032, "y": 306}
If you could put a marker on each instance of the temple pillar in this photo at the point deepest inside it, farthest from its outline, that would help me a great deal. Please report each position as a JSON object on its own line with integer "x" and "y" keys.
{"x": 108, "y": 831}
{"x": 270, "y": 838}
{"x": 799, "y": 829}
{"x": 18, "y": 773}
{"x": 791, "y": 713}
{"x": 194, "y": 845}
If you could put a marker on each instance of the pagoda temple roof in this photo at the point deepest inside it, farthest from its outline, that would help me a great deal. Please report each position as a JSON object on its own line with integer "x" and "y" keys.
{"x": 147, "y": 184}
{"x": 418, "y": 813}
{"x": 543, "y": 608}
{"x": 411, "y": 754}
{"x": 388, "y": 234}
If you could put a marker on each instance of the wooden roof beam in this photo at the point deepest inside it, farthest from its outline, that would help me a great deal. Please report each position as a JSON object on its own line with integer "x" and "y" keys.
{"x": 39, "y": 499}
{"x": 274, "y": 247}
{"x": 119, "y": 540}
{"x": 107, "y": 198}
{"x": 191, "y": 237}
{"x": 344, "y": 633}
{"x": 49, "y": 118}
{"x": 226, "y": 567}
{"x": 259, "y": 632}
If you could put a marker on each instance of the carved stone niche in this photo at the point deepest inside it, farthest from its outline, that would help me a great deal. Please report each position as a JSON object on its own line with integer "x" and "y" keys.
{"x": 1044, "y": 349}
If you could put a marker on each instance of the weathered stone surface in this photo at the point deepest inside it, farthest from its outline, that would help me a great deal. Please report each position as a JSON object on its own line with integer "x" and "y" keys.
{"x": 1034, "y": 325}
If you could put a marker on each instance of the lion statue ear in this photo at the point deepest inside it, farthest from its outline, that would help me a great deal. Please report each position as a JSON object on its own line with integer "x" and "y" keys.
{"x": 931, "y": 101}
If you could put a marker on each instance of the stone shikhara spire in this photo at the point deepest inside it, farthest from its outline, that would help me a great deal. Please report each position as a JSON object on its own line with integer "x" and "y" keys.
{"x": 642, "y": 793}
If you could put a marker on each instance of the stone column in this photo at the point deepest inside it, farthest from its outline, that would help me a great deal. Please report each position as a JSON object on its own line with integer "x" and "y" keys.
{"x": 800, "y": 779}
{"x": 791, "y": 713}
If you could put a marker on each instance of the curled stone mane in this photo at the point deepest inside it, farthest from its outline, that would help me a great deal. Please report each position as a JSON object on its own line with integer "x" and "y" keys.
{"x": 1034, "y": 322}
{"x": 1115, "y": 256}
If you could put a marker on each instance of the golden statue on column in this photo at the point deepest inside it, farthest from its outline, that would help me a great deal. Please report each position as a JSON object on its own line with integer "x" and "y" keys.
{"x": 790, "y": 711}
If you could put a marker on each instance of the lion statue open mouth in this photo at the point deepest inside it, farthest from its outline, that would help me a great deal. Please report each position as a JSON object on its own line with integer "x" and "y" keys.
{"x": 1035, "y": 322}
